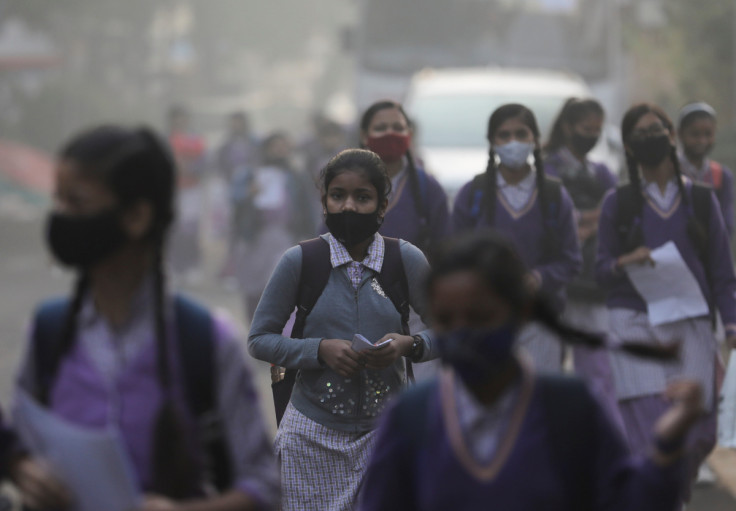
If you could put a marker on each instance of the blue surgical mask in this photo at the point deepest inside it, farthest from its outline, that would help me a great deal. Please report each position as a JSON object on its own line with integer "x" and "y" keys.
{"x": 514, "y": 155}
{"x": 476, "y": 354}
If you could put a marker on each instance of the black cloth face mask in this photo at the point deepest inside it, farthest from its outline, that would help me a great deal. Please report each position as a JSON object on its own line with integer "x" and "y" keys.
{"x": 81, "y": 241}
{"x": 582, "y": 144}
{"x": 350, "y": 228}
{"x": 651, "y": 151}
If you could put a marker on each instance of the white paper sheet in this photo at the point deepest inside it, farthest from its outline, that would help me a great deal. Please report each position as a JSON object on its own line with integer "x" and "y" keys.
{"x": 360, "y": 343}
{"x": 727, "y": 407}
{"x": 668, "y": 287}
{"x": 92, "y": 463}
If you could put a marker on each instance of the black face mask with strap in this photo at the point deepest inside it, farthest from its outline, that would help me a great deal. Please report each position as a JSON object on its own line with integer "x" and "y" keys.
{"x": 81, "y": 241}
{"x": 351, "y": 228}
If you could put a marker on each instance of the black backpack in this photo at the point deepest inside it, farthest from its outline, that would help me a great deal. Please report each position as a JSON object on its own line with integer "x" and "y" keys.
{"x": 315, "y": 273}
{"x": 552, "y": 199}
{"x": 195, "y": 329}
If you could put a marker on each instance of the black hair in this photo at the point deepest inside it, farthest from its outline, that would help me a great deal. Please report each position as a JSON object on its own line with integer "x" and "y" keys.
{"x": 363, "y": 161}
{"x": 499, "y": 266}
{"x": 573, "y": 111}
{"x": 136, "y": 165}
{"x": 498, "y": 117}
{"x": 696, "y": 231}
{"x": 365, "y": 123}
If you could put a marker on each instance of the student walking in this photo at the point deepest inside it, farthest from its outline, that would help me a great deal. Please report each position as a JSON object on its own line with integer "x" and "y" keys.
{"x": 574, "y": 133}
{"x": 515, "y": 197}
{"x": 490, "y": 433}
{"x": 123, "y": 352}
{"x": 659, "y": 206}
{"x": 696, "y": 129}
{"x": 367, "y": 284}
{"x": 418, "y": 208}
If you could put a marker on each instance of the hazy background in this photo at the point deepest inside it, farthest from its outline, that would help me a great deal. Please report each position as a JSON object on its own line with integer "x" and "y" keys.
{"x": 65, "y": 64}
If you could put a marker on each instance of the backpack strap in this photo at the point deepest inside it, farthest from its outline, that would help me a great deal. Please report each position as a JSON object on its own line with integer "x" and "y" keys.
{"x": 700, "y": 195}
{"x": 477, "y": 197}
{"x": 47, "y": 324}
{"x": 315, "y": 273}
{"x": 195, "y": 329}
{"x": 568, "y": 405}
{"x": 392, "y": 279}
{"x": 716, "y": 174}
{"x": 550, "y": 213}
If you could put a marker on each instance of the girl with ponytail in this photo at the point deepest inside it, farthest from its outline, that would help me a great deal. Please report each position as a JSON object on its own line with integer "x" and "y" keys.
{"x": 418, "y": 207}
{"x": 115, "y": 358}
{"x": 659, "y": 206}
{"x": 491, "y": 432}
{"x": 514, "y": 197}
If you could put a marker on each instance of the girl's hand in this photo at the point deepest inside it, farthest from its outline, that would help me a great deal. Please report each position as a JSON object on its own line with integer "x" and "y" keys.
{"x": 387, "y": 354}
{"x": 340, "y": 357}
{"x": 38, "y": 486}
{"x": 687, "y": 406}
{"x": 158, "y": 503}
{"x": 641, "y": 255}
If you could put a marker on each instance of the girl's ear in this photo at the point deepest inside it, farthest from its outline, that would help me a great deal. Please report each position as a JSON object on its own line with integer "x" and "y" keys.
{"x": 363, "y": 139}
{"x": 138, "y": 220}
{"x": 382, "y": 208}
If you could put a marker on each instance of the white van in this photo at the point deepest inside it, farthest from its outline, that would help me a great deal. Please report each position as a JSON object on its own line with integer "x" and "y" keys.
{"x": 451, "y": 107}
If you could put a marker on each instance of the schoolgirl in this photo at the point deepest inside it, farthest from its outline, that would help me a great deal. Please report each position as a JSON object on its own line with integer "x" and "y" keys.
{"x": 115, "y": 358}
{"x": 574, "y": 133}
{"x": 696, "y": 129}
{"x": 418, "y": 208}
{"x": 490, "y": 432}
{"x": 326, "y": 433}
{"x": 534, "y": 211}
{"x": 657, "y": 207}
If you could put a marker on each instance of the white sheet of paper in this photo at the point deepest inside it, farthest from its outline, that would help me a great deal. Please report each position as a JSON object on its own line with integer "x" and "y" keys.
{"x": 360, "y": 343}
{"x": 670, "y": 289}
{"x": 92, "y": 463}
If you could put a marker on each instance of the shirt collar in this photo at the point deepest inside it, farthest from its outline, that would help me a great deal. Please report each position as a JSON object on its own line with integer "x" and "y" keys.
{"x": 141, "y": 306}
{"x": 569, "y": 161}
{"x": 691, "y": 170}
{"x": 340, "y": 256}
{"x": 527, "y": 184}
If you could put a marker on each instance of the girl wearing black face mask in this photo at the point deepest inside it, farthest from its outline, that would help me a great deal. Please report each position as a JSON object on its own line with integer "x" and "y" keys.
{"x": 326, "y": 433}
{"x": 489, "y": 432}
{"x": 118, "y": 354}
{"x": 659, "y": 206}
{"x": 574, "y": 133}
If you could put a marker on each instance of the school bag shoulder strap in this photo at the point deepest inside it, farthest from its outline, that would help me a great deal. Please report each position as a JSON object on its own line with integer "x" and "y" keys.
{"x": 392, "y": 279}
{"x": 568, "y": 408}
{"x": 476, "y": 195}
{"x": 47, "y": 324}
{"x": 626, "y": 215}
{"x": 716, "y": 174}
{"x": 315, "y": 272}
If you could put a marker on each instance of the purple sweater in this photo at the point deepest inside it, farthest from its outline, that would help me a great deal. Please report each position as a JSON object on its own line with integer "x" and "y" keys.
{"x": 658, "y": 228}
{"x": 440, "y": 473}
{"x": 525, "y": 229}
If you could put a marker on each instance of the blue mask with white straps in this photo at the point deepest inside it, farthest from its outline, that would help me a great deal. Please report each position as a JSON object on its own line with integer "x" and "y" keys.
{"x": 514, "y": 155}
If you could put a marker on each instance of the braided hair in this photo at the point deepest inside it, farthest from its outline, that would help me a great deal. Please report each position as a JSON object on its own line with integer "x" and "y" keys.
{"x": 135, "y": 165}
{"x": 696, "y": 231}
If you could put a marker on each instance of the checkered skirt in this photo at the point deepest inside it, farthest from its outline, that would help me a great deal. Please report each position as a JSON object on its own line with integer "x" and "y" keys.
{"x": 321, "y": 468}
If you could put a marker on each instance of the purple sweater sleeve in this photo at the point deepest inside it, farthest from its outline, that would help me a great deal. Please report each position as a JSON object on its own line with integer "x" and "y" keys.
{"x": 608, "y": 245}
{"x": 605, "y": 176}
{"x": 721, "y": 272}
{"x": 725, "y": 197}
{"x": 567, "y": 265}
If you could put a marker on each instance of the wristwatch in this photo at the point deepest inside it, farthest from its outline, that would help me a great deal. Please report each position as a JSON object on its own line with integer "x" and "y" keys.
{"x": 417, "y": 348}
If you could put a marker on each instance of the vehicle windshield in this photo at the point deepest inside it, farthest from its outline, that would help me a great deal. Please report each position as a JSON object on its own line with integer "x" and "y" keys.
{"x": 462, "y": 121}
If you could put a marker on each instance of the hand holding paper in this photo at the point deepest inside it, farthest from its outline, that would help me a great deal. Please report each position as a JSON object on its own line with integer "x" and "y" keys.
{"x": 360, "y": 343}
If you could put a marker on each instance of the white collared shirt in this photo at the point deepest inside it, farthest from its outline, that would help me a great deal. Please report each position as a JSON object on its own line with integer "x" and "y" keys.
{"x": 664, "y": 200}
{"x": 517, "y": 195}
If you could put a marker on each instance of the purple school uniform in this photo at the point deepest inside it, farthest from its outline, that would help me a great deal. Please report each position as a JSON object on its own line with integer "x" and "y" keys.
{"x": 723, "y": 190}
{"x": 526, "y": 231}
{"x": 525, "y": 474}
{"x": 403, "y": 220}
{"x": 659, "y": 227}
{"x": 91, "y": 393}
